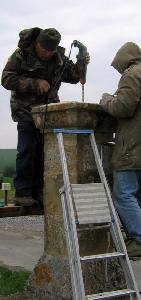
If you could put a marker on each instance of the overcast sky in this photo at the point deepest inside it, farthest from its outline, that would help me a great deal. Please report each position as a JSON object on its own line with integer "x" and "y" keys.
{"x": 102, "y": 25}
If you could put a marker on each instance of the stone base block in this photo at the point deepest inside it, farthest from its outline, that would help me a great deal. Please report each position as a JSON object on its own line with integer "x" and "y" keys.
{"x": 51, "y": 279}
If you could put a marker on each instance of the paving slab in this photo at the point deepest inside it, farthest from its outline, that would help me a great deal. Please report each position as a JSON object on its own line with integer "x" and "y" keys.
{"x": 21, "y": 249}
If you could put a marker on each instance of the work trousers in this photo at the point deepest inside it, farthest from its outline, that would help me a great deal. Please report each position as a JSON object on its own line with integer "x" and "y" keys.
{"x": 28, "y": 180}
{"x": 127, "y": 199}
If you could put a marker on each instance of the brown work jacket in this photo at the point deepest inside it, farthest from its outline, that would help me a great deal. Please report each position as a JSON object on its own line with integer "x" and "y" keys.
{"x": 125, "y": 106}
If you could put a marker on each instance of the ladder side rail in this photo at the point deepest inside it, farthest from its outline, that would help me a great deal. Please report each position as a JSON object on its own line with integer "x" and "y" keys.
{"x": 115, "y": 225}
{"x": 104, "y": 181}
{"x": 70, "y": 246}
{"x": 103, "y": 178}
{"x": 126, "y": 267}
{"x": 67, "y": 186}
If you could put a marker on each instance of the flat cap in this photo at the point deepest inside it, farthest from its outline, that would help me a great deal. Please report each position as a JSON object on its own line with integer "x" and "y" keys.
{"x": 49, "y": 39}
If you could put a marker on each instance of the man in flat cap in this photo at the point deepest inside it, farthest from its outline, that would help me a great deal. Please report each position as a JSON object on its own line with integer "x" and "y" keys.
{"x": 31, "y": 73}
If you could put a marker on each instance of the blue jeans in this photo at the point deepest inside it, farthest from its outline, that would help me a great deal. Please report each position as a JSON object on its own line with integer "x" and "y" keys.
{"x": 127, "y": 199}
{"x": 28, "y": 179}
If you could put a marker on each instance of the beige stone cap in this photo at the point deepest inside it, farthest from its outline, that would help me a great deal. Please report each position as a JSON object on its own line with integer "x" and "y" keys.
{"x": 66, "y": 105}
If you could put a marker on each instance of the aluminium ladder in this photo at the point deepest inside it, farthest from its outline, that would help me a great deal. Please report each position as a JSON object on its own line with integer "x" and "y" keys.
{"x": 92, "y": 204}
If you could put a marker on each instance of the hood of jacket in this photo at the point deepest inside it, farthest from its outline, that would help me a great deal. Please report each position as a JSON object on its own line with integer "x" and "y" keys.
{"x": 128, "y": 54}
{"x": 28, "y": 37}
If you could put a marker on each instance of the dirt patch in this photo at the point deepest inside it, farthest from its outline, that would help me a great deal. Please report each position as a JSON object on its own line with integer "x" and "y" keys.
{"x": 20, "y": 296}
{"x": 23, "y": 296}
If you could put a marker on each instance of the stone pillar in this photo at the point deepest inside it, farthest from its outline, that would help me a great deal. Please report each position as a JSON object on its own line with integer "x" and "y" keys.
{"x": 51, "y": 276}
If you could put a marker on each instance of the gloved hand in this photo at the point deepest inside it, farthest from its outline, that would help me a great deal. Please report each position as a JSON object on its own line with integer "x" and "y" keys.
{"x": 42, "y": 86}
{"x": 105, "y": 97}
{"x": 82, "y": 67}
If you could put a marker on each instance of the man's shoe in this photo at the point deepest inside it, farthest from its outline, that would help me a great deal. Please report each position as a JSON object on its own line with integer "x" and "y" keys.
{"x": 133, "y": 248}
{"x": 24, "y": 201}
{"x": 39, "y": 200}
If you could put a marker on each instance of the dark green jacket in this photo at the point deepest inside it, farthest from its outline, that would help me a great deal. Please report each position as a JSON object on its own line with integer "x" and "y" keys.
{"x": 125, "y": 105}
{"x": 22, "y": 71}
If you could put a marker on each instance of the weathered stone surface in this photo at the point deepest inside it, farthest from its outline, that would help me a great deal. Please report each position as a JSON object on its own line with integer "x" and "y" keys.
{"x": 66, "y": 114}
{"x": 73, "y": 114}
{"x": 51, "y": 277}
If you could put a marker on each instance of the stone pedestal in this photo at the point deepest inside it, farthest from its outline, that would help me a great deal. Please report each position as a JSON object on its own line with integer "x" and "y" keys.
{"x": 51, "y": 276}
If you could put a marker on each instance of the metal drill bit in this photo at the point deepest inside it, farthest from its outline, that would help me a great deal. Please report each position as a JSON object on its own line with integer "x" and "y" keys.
{"x": 82, "y": 92}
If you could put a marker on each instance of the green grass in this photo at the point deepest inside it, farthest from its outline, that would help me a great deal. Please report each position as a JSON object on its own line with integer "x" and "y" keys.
{"x": 12, "y": 281}
{"x": 7, "y": 158}
{"x": 9, "y": 180}
{"x": 11, "y": 194}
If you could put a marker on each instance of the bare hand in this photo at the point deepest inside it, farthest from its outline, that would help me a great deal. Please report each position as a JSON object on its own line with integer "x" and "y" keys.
{"x": 43, "y": 86}
{"x": 105, "y": 98}
{"x": 87, "y": 58}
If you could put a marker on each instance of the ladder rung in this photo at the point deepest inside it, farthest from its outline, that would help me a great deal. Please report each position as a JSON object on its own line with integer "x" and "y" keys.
{"x": 91, "y": 220}
{"x": 110, "y": 295}
{"x": 94, "y": 227}
{"x": 89, "y": 196}
{"x": 92, "y": 207}
{"x": 90, "y": 200}
{"x": 102, "y": 256}
{"x": 88, "y": 188}
{"x": 87, "y": 185}
{"x": 89, "y": 191}
{"x": 90, "y": 213}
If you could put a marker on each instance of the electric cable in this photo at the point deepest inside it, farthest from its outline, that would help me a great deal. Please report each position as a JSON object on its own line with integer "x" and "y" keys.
{"x": 53, "y": 87}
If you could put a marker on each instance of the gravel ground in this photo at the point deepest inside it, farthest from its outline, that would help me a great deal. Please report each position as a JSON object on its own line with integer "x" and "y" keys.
{"x": 23, "y": 223}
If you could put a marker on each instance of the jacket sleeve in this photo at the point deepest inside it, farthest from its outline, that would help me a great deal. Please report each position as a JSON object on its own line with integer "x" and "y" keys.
{"x": 12, "y": 79}
{"x": 125, "y": 102}
{"x": 71, "y": 72}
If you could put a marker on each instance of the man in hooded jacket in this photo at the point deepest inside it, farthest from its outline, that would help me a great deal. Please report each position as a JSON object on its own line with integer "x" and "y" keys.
{"x": 34, "y": 73}
{"x": 125, "y": 106}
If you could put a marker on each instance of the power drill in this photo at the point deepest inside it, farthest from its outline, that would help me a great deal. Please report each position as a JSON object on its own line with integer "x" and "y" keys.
{"x": 81, "y": 59}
